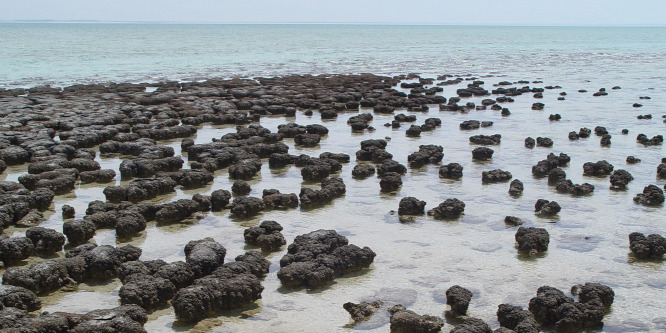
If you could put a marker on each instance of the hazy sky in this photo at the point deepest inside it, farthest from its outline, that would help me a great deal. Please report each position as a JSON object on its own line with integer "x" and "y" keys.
{"x": 474, "y": 12}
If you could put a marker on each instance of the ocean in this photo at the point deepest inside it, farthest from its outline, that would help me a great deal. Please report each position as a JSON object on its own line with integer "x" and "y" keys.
{"x": 65, "y": 54}
{"x": 417, "y": 261}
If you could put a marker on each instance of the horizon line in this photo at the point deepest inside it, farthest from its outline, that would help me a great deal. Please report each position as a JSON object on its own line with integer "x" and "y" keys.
{"x": 329, "y": 23}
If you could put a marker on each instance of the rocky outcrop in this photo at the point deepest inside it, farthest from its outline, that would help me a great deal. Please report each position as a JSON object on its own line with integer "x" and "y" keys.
{"x": 552, "y": 308}
{"x": 451, "y": 171}
{"x": 651, "y": 196}
{"x": 568, "y": 187}
{"x": 78, "y": 231}
{"x": 362, "y": 311}
{"x": 404, "y": 321}
{"x": 204, "y": 256}
{"x": 517, "y": 319}
{"x": 620, "y": 178}
{"x": 411, "y": 206}
{"x": 546, "y": 208}
{"x": 427, "y": 154}
{"x": 458, "y": 298}
{"x": 273, "y": 199}
{"x": 81, "y": 263}
{"x": 232, "y": 285}
{"x": 331, "y": 188}
{"x": 390, "y": 181}
{"x": 316, "y": 258}
{"x": 598, "y": 169}
{"x": 247, "y": 206}
{"x": 363, "y": 170}
{"x": 15, "y": 249}
{"x": 449, "y": 209}
{"x": 45, "y": 240}
{"x": 652, "y": 246}
{"x": 267, "y": 235}
{"x": 495, "y": 176}
{"x": 140, "y": 189}
{"x": 482, "y": 153}
{"x": 516, "y": 187}
{"x": 532, "y": 240}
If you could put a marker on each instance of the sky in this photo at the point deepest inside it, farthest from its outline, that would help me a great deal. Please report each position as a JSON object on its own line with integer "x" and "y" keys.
{"x": 446, "y": 12}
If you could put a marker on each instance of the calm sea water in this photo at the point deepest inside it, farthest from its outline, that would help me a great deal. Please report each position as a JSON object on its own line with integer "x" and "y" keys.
{"x": 416, "y": 262}
{"x": 63, "y": 54}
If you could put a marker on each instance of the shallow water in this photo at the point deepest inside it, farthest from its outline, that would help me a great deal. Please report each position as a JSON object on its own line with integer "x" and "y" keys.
{"x": 416, "y": 262}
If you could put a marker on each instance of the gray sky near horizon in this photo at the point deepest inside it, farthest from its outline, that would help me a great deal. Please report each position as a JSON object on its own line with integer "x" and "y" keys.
{"x": 476, "y": 12}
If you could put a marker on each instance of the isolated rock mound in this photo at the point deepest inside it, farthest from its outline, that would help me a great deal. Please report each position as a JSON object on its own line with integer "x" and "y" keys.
{"x": 407, "y": 321}
{"x": 652, "y": 246}
{"x": 532, "y": 240}
{"x": 449, "y": 209}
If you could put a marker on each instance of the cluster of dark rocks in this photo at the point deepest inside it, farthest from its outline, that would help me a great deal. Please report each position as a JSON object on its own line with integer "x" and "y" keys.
{"x": 552, "y": 161}
{"x": 316, "y": 258}
{"x": 125, "y": 318}
{"x": 82, "y": 263}
{"x": 267, "y": 235}
{"x": 652, "y": 246}
{"x": 550, "y": 309}
{"x": 652, "y": 196}
{"x": 54, "y": 130}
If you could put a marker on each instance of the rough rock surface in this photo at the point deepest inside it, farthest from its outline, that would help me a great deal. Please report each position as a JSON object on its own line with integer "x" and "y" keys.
{"x": 316, "y": 258}
{"x": 552, "y": 308}
{"x": 546, "y": 208}
{"x": 362, "y": 311}
{"x": 411, "y": 206}
{"x": 449, "y": 209}
{"x": 532, "y": 240}
{"x": 458, "y": 298}
{"x": 451, "y": 171}
{"x": 651, "y": 196}
{"x": 232, "y": 285}
{"x": 407, "y": 321}
{"x": 652, "y": 246}
{"x": 267, "y": 235}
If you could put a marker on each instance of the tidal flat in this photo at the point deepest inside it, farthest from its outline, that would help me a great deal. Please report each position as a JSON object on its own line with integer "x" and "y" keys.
{"x": 225, "y": 130}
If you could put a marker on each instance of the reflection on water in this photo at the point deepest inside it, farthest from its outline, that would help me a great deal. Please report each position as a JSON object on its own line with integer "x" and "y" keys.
{"x": 417, "y": 261}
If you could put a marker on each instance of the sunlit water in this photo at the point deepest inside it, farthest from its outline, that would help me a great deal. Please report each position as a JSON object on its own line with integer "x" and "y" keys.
{"x": 416, "y": 262}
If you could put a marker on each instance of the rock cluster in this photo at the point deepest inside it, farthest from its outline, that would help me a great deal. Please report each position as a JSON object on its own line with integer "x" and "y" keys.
{"x": 316, "y": 258}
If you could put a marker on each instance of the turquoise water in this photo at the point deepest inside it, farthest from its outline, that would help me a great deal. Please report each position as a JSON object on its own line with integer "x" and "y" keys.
{"x": 63, "y": 54}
